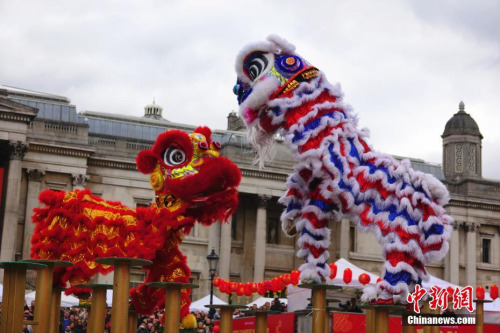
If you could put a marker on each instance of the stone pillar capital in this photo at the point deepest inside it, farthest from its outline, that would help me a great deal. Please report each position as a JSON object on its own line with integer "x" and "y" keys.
{"x": 35, "y": 174}
{"x": 470, "y": 226}
{"x": 263, "y": 200}
{"x": 80, "y": 180}
{"x": 17, "y": 149}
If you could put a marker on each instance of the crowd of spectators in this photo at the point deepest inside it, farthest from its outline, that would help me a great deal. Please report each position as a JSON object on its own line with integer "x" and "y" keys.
{"x": 351, "y": 306}
{"x": 74, "y": 319}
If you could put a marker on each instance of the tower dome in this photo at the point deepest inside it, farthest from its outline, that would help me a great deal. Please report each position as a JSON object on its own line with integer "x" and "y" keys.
{"x": 461, "y": 147}
{"x": 153, "y": 111}
{"x": 461, "y": 123}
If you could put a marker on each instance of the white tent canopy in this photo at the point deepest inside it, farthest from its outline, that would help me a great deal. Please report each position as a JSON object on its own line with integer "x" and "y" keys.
{"x": 199, "y": 305}
{"x": 342, "y": 264}
{"x": 66, "y": 301}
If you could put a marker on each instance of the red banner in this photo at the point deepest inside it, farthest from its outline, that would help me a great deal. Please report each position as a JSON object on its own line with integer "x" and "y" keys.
{"x": 280, "y": 323}
{"x": 353, "y": 323}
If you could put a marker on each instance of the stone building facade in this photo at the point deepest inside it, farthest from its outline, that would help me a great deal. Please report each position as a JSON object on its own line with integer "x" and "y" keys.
{"x": 46, "y": 144}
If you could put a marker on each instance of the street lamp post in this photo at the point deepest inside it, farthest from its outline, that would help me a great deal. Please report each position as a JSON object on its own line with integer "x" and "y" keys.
{"x": 213, "y": 260}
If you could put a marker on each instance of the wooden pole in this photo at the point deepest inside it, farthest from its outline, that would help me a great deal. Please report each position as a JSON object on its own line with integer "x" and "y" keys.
{"x": 319, "y": 309}
{"x": 55, "y": 308}
{"x": 479, "y": 314}
{"x": 381, "y": 319}
{"x": 43, "y": 298}
{"x": 172, "y": 302}
{"x": 97, "y": 306}
{"x": 436, "y": 329}
{"x": 14, "y": 284}
{"x": 426, "y": 309}
{"x": 132, "y": 321}
{"x": 226, "y": 320}
{"x": 121, "y": 286}
{"x": 172, "y": 309}
{"x": 226, "y": 316}
{"x": 370, "y": 319}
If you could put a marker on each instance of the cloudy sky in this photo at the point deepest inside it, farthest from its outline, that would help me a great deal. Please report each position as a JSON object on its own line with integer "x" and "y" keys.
{"x": 404, "y": 65}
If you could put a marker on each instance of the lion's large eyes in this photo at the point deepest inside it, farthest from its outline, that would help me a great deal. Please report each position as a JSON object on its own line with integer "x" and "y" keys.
{"x": 174, "y": 156}
{"x": 257, "y": 64}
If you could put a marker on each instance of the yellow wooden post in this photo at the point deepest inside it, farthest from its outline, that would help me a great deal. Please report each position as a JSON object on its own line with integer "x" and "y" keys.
{"x": 55, "y": 308}
{"x": 43, "y": 298}
{"x": 98, "y": 306}
{"x": 121, "y": 286}
{"x": 370, "y": 319}
{"x": 14, "y": 284}
{"x": 381, "y": 319}
{"x": 226, "y": 316}
{"x": 480, "y": 314}
{"x": 132, "y": 321}
{"x": 172, "y": 302}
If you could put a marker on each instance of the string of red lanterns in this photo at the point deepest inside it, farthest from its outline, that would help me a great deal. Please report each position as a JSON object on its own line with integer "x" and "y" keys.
{"x": 279, "y": 283}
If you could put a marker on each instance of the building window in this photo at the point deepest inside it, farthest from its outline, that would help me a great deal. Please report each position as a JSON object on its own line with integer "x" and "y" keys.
{"x": 472, "y": 158}
{"x": 486, "y": 250}
{"x": 273, "y": 230}
{"x": 234, "y": 226}
{"x": 352, "y": 239}
{"x": 137, "y": 277}
{"x": 459, "y": 158}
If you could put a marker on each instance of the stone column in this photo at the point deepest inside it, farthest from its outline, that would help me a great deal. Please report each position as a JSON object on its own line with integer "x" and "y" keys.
{"x": 344, "y": 238}
{"x": 470, "y": 241}
{"x": 214, "y": 233}
{"x": 260, "y": 238}
{"x": 34, "y": 179}
{"x": 79, "y": 181}
{"x": 225, "y": 250}
{"x": 11, "y": 214}
{"x": 454, "y": 256}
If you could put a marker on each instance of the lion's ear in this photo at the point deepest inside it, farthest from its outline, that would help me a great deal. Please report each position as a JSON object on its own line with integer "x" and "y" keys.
{"x": 146, "y": 161}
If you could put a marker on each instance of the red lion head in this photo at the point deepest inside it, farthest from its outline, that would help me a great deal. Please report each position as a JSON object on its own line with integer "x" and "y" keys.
{"x": 188, "y": 174}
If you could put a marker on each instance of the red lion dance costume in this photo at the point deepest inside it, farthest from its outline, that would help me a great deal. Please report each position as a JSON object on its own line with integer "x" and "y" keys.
{"x": 191, "y": 182}
{"x": 337, "y": 173}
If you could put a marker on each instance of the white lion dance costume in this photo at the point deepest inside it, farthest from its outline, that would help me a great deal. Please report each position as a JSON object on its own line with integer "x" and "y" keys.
{"x": 337, "y": 173}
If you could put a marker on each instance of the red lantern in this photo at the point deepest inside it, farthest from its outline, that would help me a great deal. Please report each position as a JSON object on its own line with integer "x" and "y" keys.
{"x": 450, "y": 293}
{"x": 494, "y": 292}
{"x": 248, "y": 290}
{"x": 333, "y": 270}
{"x": 480, "y": 293}
{"x": 234, "y": 287}
{"x": 275, "y": 285}
{"x": 240, "y": 290}
{"x": 295, "y": 277}
{"x": 254, "y": 287}
{"x": 287, "y": 279}
{"x": 364, "y": 279}
{"x": 261, "y": 291}
{"x": 222, "y": 286}
{"x": 267, "y": 285}
{"x": 216, "y": 281}
{"x": 347, "y": 275}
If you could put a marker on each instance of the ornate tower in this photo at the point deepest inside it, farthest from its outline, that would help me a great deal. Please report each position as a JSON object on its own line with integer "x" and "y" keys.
{"x": 153, "y": 111}
{"x": 461, "y": 147}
